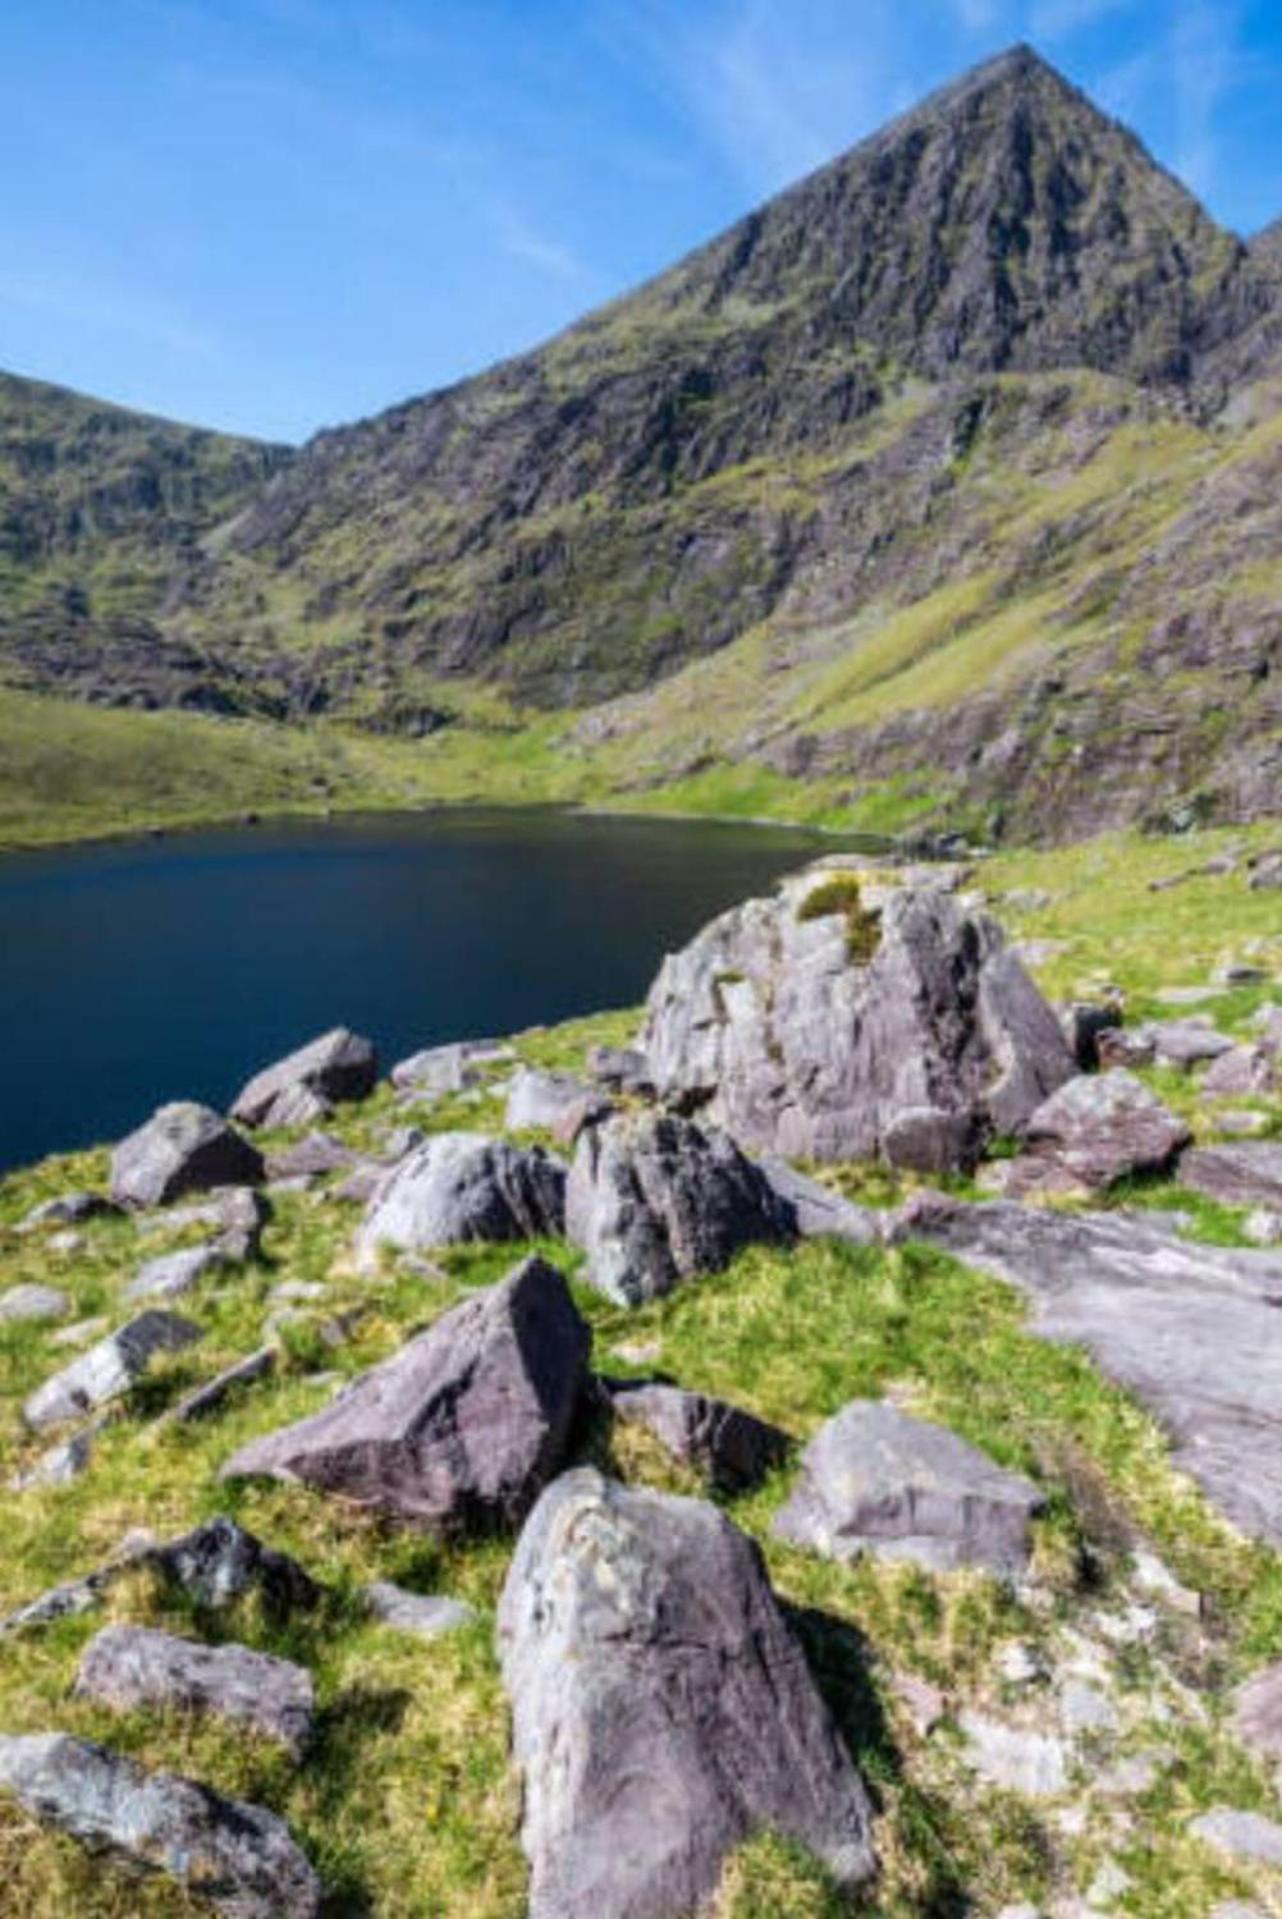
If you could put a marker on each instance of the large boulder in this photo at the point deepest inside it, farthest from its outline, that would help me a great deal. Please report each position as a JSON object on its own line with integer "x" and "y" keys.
{"x": 238, "y": 1857}
{"x": 1094, "y": 1131}
{"x": 130, "y": 1667}
{"x": 462, "y": 1428}
{"x": 875, "y": 1480}
{"x": 662, "y": 1710}
{"x": 654, "y": 1199}
{"x": 338, "y": 1066}
{"x": 457, "y": 1187}
{"x": 831, "y": 1024}
{"x": 183, "y": 1148}
{"x": 108, "y": 1369}
{"x": 557, "y": 1103}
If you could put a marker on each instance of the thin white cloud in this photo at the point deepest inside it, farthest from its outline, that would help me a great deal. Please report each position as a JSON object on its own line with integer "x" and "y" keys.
{"x": 111, "y": 310}
{"x": 524, "y": 242}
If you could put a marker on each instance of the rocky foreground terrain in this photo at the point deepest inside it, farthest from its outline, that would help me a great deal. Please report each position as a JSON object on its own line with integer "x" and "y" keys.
{"x": 942, "y": 488}
{"x": 808, "y": 1447}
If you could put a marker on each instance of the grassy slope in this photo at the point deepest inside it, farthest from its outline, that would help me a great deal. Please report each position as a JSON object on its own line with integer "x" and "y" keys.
{"x": 407, "y": 1804}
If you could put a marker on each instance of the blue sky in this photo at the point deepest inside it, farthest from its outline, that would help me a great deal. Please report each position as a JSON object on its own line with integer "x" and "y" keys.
{"x": 273, "y": 215}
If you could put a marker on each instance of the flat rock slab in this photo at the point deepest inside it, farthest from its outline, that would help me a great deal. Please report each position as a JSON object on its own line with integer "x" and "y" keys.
{"x": 183, "y": 1148}
{"x": 240, "y": 1858}
{"x": 457, "y": 1068}
{"x": 459, "y": 1187}
{"x": 211, "y": 1397}
{"x": 108, "y": 1369}
{"x": 732, "y": 1449}
{"x": 310, "y": 1158}
{"x": 33, "y": 1303}
{"x": 1191, "y": 1330}
{"x": 832, "y": 1024}
{"x": 873, "y": 1479}
{"x": 654, "y": 1199}
{"x": 1033, "y": 1763}
{"x": 340, "y": 1065}
{"x": 1247, "y": 1836}
{"x": 428, "y": 1615}
{"x": 128, "y": 1667}
{"x": 1248, "y": 1174}
{"x": 60, "y": 1466}
{"x": 1100, "y": 1128}
{"x": 1245, "y": 1071}
{"x": 1189, "y": 1042}
{"x": 817, "y": 1211}
{"x": 662, "y": 1709}
{"x": 173, "y": 1275}
{"x": 462, "y": 1428}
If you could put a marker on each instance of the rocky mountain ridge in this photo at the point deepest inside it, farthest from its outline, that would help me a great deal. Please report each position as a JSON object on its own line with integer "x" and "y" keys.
{"x": 955, "y": 461}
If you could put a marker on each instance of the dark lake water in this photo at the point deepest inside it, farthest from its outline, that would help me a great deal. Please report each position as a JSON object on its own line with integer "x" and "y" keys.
{"x": 140, "y": 971}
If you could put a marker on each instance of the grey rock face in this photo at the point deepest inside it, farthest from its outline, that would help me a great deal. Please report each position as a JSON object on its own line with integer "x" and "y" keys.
{"x": 1249, "y": 1174}
{"x": 1097, "y": 1129}
{"x": 174, "y": 1274}
{"x": 131, "y": 1666}
{"x": 108, "y": 1369}
{"x": 32, "y": 1302}
{"x": 875, "y": 1480}
{"x": 1187, "y": 1042}
{"x": 340, "y": 1065}
{"x": 818, "y": 1212}
{"x": 238, "y": 1857}
{"x": 463, "y": 1427}
{"x": 463, "y": 1186}
{"x": 620, "y": 1069}
{"x": 449, "y": 1069}
{"x": 184, "y": 1148}
{"x": 556, "y": 1102}
{"x": 731, "y": 1448}
{"x": 654, "y": 1199}
{"x": 662, "y": 1710}
{"x": 799, "y": 1049}
{"x": 428, "y": 1615}
{"x": 1191, "y": 1330}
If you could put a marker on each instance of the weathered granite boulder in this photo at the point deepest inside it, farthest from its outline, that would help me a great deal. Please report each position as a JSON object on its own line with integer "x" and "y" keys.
{"x": 908, "y": 1032}
{"x": 108, "y": 1369}
{"x": 554, "y": 1102}
{"x": 427, "y": 1615}
{"x": 1190, "y": 1329}
{"x": 732, "y": 1449}
{"x": 654, "y": 1199}
{"x": 215, "y": 1565}
{"x": 464, "y": 1186}
{"x": 238, "y": 1857}
{"x": 1248, "y": 1174}
{"x": 184, "y": 1148}
{"x": 462, "y": 1428}
{"x": 455, "y": 1068}
{"x": 33, "y": 1303}
{"x": 662, "y": 1710}
{"x": 1244, "y": 1071}
{"x": 875, "y": 1480}
{"x": 1096, "y": 1130}
{"x": 340, "y": 1065}
{"x": 127, "y": 1667}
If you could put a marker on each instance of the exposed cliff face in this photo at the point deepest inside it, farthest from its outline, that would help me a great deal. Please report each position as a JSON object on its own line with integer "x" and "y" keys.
{"x": 950, "y": 468}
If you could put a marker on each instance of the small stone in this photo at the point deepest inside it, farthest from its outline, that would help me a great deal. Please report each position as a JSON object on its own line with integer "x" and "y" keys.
{"x": 66, "y": 1242}
{"x": 1257, "y": 1713}
{"x": 68, "y": 1209}
{"x": 174, "y": 1275}
{"x": 60, "y": 1465}
{"x": 1029, "y": 1762}
{"x": 1110, "y": 1882}
{"x": 449, "y": 1069}
{"x": 108, "y": 1369}
{"x": 923, "y": 1703}
{"x": 80, "y": 1333}
{"x": 211, "y": 1397}
{"x": 1157, "y": 1579}
{"x": 1242, "y": 1835}
{"x": 33, "y": 1303}
{"x": 429, "y": 1615}
{"x": 1021, "y": 1665}
{"x": 1083, "y": 1709}
{"x": 731, "y": 1448}
{"x": 129, "y": 1667}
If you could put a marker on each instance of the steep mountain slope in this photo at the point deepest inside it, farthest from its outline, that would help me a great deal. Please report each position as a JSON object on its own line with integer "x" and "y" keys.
{"x": 941, "y": 488}
{"x": 99, "y": 508}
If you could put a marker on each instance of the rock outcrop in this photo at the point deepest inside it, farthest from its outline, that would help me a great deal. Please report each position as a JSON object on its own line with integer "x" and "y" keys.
{"x": 1094, "y": 1131}
{"x": 849, "y": 1020}
{"x": 338, "y": 1066}
{"x": 461, "y": 1429}
{"x": 463, "y": 1186}
{"x": 662, "y": 1709}
{"x": 238, "y": 1857}
{"x": 875, "y": 1480}
{"x": 558, "y": 1103}
{"x": 183, "y": 1148}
